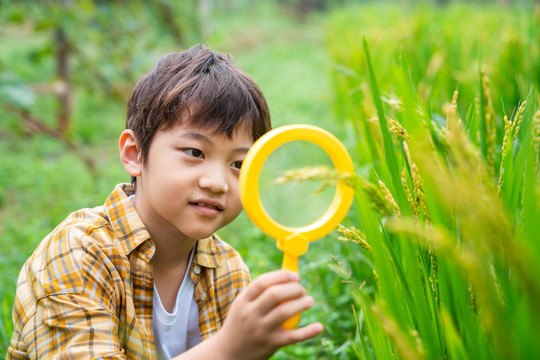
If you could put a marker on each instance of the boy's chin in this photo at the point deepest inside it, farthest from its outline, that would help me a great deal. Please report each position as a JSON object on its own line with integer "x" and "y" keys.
{"x": 208, "y": 231}
{"x": 200, "y": 235}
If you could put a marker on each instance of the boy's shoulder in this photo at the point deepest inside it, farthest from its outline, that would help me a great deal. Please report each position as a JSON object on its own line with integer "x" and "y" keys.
{"x": 81, "y": 222}
{"x": 71, "y": 233}
{"x": 84, "y": 237}
{"x": 97, "y": 224}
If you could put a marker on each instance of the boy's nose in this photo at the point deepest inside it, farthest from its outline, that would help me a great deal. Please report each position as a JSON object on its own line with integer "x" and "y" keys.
{"x": 214, "y": 180}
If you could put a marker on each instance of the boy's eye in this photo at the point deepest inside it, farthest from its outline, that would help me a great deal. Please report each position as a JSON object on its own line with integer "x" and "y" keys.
{"x": 194, "y": 152}
{"x": 237, "y": 164}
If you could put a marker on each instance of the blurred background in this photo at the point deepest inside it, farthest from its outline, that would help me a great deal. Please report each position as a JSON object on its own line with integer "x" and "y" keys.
{"x": 67, "y": 68}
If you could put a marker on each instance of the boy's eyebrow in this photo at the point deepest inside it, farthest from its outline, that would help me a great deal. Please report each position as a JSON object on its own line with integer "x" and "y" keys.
{"x": 241, "y": 150}
{"x": 201, "y": 137}
{"x": 197, "y": 136}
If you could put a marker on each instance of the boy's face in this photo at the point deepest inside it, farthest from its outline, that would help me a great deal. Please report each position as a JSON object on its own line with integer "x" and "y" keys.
{"x": 188, "y": 188}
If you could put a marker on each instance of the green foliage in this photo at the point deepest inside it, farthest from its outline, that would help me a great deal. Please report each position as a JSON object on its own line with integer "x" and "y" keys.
{"x": 84, "y": 49}
{"x": 442, "y": 55}
{"x": 6, "y": 326}
{"x": 453, "y": 267}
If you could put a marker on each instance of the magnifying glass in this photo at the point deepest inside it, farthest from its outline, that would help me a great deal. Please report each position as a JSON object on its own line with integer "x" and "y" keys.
{"x": 293, "y": 241}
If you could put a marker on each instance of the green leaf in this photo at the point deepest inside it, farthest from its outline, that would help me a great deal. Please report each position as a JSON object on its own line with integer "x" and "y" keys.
{"x": 472, "y": 125}
{"x": 481, "y": 116}
{"x": 391, "y": 168}
{"x": 19, "y": 95}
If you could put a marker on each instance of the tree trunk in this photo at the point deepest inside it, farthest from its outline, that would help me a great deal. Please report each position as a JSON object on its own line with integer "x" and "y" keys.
{"x": 63, "y": 90}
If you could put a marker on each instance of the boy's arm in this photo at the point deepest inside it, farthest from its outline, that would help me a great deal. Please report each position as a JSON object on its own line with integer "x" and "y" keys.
{"x": 70, "y": 325}
{"x": 253, "y": 328}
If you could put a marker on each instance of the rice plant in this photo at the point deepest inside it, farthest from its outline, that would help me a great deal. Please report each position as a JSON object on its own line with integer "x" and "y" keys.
{"x": 448, "y": 221}
{"x": 444, "y": 127}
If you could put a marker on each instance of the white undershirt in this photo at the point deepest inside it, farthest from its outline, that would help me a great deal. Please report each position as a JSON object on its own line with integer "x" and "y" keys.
{"x": 178, "y": 331}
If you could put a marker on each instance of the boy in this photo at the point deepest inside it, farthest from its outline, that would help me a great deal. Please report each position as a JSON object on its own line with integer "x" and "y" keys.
{"x": 144, "y": 276}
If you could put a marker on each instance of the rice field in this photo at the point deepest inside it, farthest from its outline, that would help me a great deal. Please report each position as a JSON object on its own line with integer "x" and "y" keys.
{"x": 445, "y": 129}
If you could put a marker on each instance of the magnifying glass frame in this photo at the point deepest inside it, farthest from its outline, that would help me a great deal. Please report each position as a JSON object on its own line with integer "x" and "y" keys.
{"x": 252, "y": 166}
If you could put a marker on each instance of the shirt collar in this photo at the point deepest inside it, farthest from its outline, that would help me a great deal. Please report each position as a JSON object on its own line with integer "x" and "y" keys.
{"x": 126, "y": 222}
{"x": 206, "y": 253}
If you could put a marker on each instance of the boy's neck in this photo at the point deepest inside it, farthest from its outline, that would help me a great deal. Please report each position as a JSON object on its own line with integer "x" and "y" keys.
{"x": 171, "y": 251}
{"x": 169, "y": 266}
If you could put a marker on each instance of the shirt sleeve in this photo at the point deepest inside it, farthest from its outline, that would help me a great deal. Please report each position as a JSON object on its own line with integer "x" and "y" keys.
{"x": 71, "y": 326}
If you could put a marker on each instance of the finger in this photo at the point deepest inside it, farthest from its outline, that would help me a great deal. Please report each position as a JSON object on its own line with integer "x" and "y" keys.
{"x": 285, "y": 310}
{"x": 277, "y": 294}
{"x": 263, "y": 282}
{"x": 288, "y": 337}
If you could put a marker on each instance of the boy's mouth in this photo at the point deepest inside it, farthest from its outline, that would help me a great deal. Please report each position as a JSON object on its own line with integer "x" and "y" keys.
{"x": 210, "y": 204}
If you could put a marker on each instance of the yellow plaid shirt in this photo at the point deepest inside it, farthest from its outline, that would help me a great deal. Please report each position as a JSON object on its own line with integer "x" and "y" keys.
{"x": 86, "y": 292}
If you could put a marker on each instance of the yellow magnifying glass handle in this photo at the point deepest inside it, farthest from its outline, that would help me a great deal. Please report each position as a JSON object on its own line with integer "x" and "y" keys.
{"x": 291, "y": 322}
{"x": 290, "y": 262}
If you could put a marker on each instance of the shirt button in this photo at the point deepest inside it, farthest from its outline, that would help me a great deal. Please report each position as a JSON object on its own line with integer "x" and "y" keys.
{"x": 197, "y": 269}
{"x": 203, "y": 296}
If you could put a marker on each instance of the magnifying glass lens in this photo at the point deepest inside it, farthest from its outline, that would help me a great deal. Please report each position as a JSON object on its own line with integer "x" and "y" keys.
{"x": 292, "y": 184}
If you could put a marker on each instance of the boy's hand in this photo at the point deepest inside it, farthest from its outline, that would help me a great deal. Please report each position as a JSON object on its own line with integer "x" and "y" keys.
{"x": 253, "y": 328}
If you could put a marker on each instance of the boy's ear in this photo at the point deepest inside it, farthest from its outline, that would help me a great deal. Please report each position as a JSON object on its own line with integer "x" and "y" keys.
{"x": 130, "y": 154}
